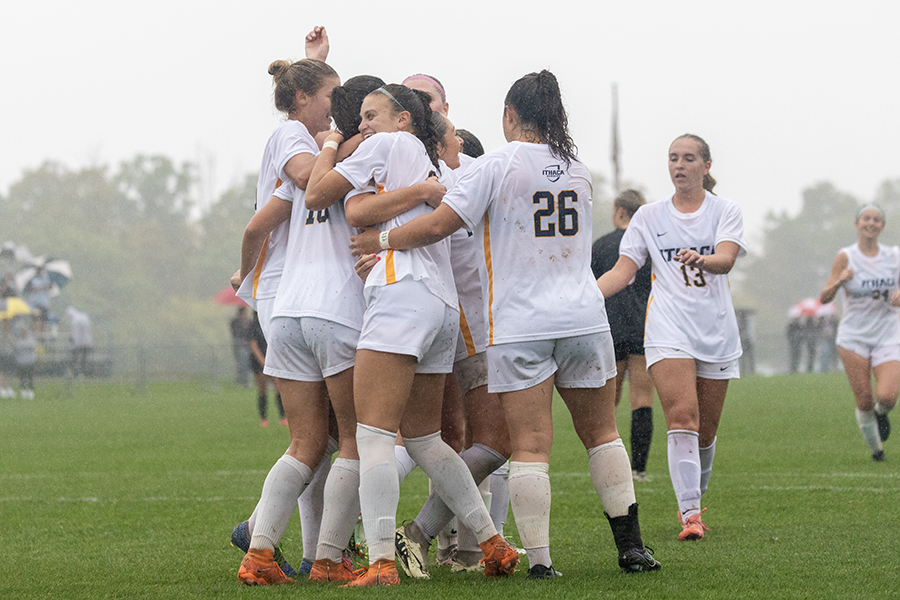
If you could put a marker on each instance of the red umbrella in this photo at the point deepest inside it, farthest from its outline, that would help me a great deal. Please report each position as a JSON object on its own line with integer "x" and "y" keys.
{"x": 808, "y": 307}
{"x": 227, "y": 297}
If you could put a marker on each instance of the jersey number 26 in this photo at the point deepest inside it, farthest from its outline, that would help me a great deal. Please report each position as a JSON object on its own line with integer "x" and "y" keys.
{"x": 566, "y": 216}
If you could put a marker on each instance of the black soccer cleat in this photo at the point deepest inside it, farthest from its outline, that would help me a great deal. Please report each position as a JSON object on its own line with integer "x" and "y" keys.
{"x": 878, "y": 456}
{"x": 542, "y": 572}
{"x": 638, "y": 560}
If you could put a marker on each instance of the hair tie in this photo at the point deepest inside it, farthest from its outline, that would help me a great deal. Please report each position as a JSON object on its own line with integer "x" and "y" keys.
{"x": 397, "y": 102}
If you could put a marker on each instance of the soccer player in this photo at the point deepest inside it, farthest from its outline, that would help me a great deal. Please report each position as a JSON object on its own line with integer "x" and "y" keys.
{"x": 692, "y": 343}
{"x": 868, "y": 336}
{"x": 303, "y": 92}
{"x": 546, "y": 320}
{"x": 408, "y": 338}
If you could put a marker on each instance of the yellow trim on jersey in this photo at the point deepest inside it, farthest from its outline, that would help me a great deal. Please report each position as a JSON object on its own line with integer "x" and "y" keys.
{"x": 466, "y": 333}
{"x": 490, "y": 276}
{"x": 389, "y": 275}
{"x": 649, "y": 302}
{"x": 257, "y": 271}
{"x": 259, "y": 266}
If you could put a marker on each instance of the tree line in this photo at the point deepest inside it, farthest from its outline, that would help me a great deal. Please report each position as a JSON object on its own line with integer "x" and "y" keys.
{"x": 147, "y": 258}
{"x": 146, "y": 261}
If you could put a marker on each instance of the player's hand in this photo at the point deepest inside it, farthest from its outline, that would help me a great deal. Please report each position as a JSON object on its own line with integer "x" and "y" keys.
{"x": 317, "y": 44}
{"x": 365, "y": 242}
{"x": 432, "y": 191}
{"x": 236, "y": 280}
{"x": 691, "y": 258}
{"x": 895, "y": 298}
{"x": 364, "y": 265}
{"x": 846, "y": 275}
{"x": 348, "y": 147}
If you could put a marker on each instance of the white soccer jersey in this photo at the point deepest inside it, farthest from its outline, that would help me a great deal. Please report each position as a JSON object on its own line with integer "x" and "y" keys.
{"x": 536, "y": 242}
{"x": 869, "y": 317}
{"x": 287, "y": 141}
{"x": 689, "y": 309}
{"x": 394, "y": 161}
{"x": 319, "y": 279}
{"x": 467, "y": 260}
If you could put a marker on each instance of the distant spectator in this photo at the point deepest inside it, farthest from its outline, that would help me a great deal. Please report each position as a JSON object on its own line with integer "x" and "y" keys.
{"x": 809, "y": 335}
{"x": 794, "y": 338}
{"x": 37, "y": 294}
{"x": 7, "y": 360}
{"x": 26, "y": 356}
{"x": 82, "y": 341}
{"x": 828, "y": 325}
{"x": 258, "y": 349}
{"x": 240, "y": 340}
{"x": 8, "y": 286}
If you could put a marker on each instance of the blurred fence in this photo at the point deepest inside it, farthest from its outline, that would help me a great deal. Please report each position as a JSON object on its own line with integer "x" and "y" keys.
{"x": 141, "y": 363}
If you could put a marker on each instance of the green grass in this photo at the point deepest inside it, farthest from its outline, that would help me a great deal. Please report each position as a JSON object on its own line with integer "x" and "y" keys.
{"x": 108, "y": 494}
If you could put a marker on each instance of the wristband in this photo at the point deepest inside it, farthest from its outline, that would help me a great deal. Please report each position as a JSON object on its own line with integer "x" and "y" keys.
{"x": 383, "y": 240}
{"x": 330, "y": 144}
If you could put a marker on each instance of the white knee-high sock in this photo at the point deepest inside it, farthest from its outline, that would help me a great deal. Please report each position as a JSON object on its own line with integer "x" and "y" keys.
{"x": 312, "y": 503}
{"x": 611, "y": 475}
{"x": 706, "y": 461}
{"x": 868, "y": 427}
{"x": 500, "y": 497}
{"x": 284, "y": 484}
{"x": 341, "y": 508}
{"x": 529, "y": 495}
{"x": 435, "y": 514}
{"x": 405, "y": 463}
{"x": 453, "y": 482}
{"x": 466, "y": 539}
{"x": 379, "y": 489}
{"x": 684, "y": 469}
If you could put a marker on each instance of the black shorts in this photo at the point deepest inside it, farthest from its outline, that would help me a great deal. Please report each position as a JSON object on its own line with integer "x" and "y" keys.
{"x": 627, "y": 347}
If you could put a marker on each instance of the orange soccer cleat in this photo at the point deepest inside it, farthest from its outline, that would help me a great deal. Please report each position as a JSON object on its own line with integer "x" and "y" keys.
{"x": 693, "y": 527}
{"x": 259, "y": 568}
{"x": 381, "y": 572}
{"x": 500, "y": 558}
{"x": 325, "y": 570}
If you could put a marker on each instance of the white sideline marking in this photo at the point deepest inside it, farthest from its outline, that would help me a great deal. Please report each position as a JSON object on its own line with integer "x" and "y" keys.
{"x": 825, "y": 488}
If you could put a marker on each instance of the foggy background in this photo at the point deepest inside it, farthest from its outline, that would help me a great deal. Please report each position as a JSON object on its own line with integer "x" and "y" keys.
{"x": 132, "y": 132}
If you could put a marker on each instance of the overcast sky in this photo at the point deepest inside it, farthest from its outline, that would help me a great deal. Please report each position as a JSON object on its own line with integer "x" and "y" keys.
{"x": 787, "y": 93}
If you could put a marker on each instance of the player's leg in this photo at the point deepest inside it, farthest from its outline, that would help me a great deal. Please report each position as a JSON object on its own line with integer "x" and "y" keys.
{"x": 530, "y": 423}
{"x": 858, "y": 370}
{"x": 306, "y": 409}
{"x": 676, "y": 383}
{"x": 886, "y": 369}
{"x": 640, "y": 395}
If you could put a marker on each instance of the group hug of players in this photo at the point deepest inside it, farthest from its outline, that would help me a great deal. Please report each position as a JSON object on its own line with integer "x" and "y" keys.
{"x": 421, "y": 306}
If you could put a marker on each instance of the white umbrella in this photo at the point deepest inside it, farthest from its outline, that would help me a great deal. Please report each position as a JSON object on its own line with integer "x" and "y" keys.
{"x": 59, "y": 271}
{"x": 15, "y": 253}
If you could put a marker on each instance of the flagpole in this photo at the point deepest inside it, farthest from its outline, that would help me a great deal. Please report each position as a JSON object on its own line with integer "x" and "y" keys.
{"x": 614, "y": 150}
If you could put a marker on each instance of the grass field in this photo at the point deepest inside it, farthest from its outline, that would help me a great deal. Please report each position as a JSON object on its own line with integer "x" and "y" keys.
{"x": 109, "y": 494}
